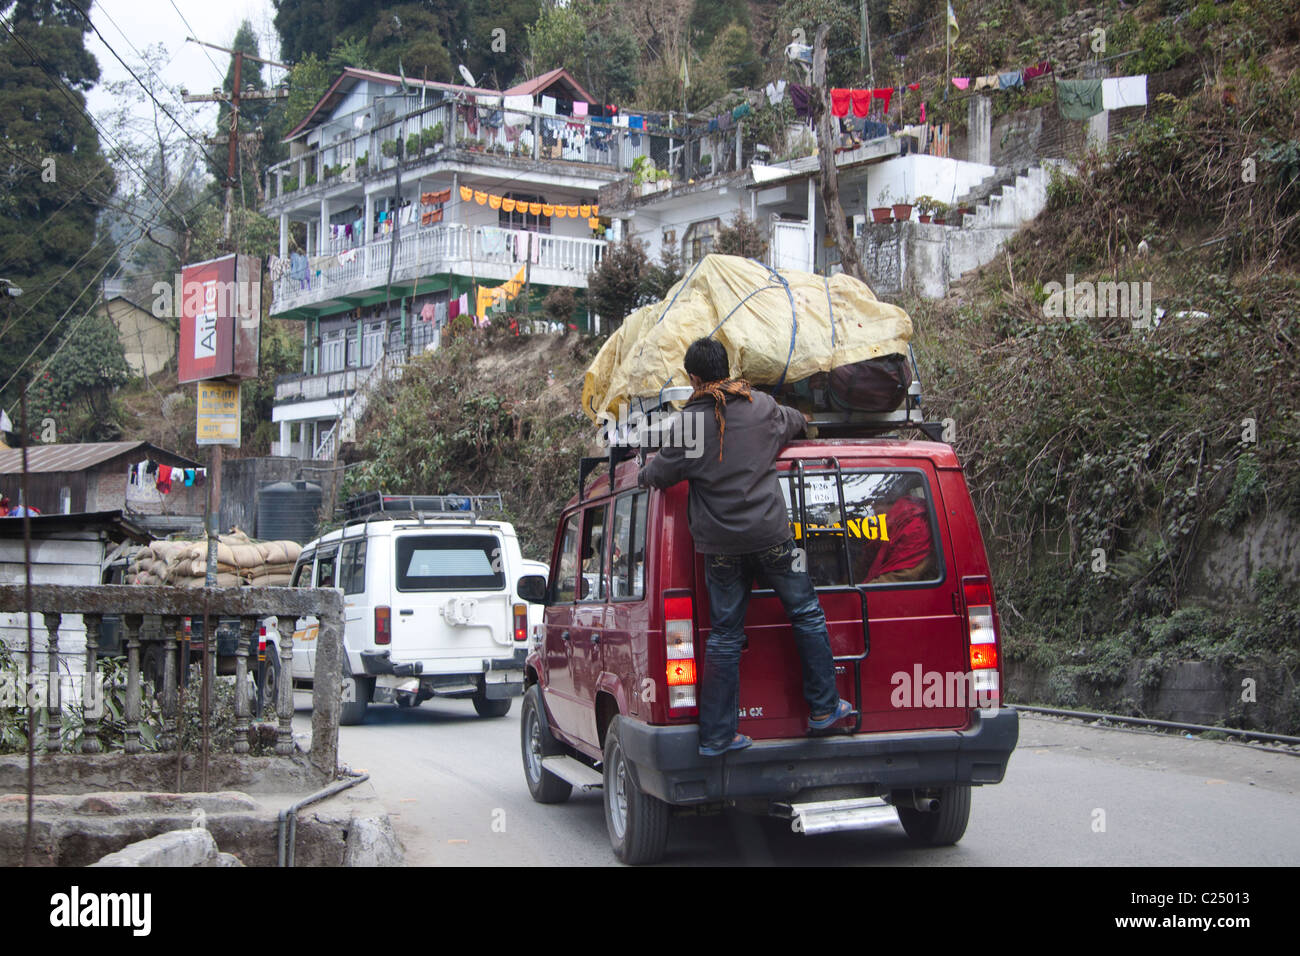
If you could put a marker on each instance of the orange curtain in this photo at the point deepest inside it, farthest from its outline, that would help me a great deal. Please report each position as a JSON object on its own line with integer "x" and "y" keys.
{"x": 480, "y": 198}
{"x": 508, "y": 205}
{"x": 572, "y": 211}
{"x": 585, "y": 210}
{"x": 548, "y": 210}
{"x": 534, "y": 209}
{"x": 466, "y": 193}
{"x": 494, "y": 202}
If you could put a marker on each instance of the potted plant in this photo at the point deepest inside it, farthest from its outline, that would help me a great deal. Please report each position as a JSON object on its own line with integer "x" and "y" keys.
{"x": 902, "y": 211}
{"x": 388, "y": 148}
{"x": 924, "y": 207}
{"x": 883, "y": 212}
{"x": 413, "y": 145}
{"x": 311, "y": 179}
{"x": 940, "y": 212}
{"x": 706, "y": 164}
{"x": 363, "y": 160}
{"x": 290, "y": 183}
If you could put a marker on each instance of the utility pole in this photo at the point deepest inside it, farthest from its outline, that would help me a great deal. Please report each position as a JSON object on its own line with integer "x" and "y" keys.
{"x": 819, "y": 99}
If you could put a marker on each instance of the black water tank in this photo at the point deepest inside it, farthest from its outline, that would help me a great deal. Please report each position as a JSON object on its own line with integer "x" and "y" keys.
{"x": 288, "y": 511}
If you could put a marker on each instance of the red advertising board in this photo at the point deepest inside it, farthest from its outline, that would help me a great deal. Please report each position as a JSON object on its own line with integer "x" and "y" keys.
{"x": 221, "y": 312}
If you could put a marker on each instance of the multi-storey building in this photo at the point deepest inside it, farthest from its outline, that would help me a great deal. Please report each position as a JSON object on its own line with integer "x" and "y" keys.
{"x": 402, "y": 198}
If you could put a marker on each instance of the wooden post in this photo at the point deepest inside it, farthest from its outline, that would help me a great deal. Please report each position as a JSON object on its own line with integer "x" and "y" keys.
{"x": 131, "y": 628}
{"x": 819, "y": 99}
{"x": 92, "y": 696}
{"x": 53, "y": 716}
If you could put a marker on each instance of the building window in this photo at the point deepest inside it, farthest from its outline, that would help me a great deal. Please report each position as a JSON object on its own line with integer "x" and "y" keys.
{"x": 523, "y": 219}
{"x": 700, "y": 237}
{"x": 331, "y": 351}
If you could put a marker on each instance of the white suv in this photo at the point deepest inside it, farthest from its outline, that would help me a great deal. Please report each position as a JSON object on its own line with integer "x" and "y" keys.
{"x": 429, "y": 605}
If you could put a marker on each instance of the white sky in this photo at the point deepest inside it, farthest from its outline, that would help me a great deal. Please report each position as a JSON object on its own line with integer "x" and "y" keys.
{"x": 147, "y": 22}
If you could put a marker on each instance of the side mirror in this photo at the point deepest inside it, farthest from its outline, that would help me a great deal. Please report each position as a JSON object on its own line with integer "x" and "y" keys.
{"x": 532, "y": 588}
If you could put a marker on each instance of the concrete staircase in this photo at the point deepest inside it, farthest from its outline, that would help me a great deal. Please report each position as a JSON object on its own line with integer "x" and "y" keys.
{"x": 1004, "y": 202}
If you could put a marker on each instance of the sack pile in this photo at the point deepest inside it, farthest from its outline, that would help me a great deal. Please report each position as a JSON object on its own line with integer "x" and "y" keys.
{"x": 827, "y": 339}
{"x": 240, "y": 561}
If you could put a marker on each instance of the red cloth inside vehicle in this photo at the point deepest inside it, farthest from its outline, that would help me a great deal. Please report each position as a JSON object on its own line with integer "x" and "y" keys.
{"x": 909, "y": 541}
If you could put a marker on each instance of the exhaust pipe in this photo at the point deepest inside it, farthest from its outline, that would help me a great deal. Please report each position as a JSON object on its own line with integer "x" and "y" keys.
{"x": 924, "y": 804}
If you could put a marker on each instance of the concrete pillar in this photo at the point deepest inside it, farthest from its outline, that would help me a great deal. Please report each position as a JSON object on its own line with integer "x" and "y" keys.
{"x": 284, "y": 437}
{"x": 367, "y": 228}
{"x": 812, "y": 225}
{"x": 979, "y": 136}
{"x": 284, "y": 235}
{"x": 323, "y": 232}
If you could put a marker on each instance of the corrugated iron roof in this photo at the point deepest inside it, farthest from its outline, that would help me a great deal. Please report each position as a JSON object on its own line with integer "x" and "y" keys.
{"x": 79, "y": 457}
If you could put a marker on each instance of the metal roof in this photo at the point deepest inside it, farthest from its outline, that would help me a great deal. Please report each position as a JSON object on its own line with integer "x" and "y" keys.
{"x": 112, "y": 523}
{"x": 79, "y": 457}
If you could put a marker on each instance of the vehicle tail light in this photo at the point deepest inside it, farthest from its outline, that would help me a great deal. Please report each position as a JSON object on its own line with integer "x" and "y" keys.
{"x": 679, "y": 637}
{"x": 985, "y": 684}
{"x": 261, "y": 643}
{"x": 383, "y": 626}
{"x": 521, "y": 622}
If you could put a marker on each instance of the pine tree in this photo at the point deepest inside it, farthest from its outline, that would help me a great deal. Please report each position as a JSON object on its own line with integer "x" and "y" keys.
{"x": 55, "y": 180}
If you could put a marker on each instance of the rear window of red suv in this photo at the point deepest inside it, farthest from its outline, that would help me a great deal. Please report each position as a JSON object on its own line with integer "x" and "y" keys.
{"x": 882, "y": 532}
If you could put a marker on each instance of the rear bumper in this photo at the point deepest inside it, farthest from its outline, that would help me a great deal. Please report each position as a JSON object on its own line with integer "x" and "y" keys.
{"x": 497, "y": 677}
{"x": 382, "y": 662}
{"x": 667, "y": 764}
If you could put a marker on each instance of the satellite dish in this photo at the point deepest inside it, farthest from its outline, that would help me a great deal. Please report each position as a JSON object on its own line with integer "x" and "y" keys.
{"x": 469, "y": 77}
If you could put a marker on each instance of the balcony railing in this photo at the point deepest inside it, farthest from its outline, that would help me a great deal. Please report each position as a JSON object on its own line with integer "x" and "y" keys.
{"x": 151, "y": 633}
{"x": 484, "y": 252}
{"x": 464, "y": 127}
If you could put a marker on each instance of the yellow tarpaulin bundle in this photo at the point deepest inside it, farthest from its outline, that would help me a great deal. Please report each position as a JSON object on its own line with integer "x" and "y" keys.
{"x": 776, "y": 327}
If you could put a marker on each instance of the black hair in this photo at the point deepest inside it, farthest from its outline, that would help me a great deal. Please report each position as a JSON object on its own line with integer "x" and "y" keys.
{"x": 707, "y": 360}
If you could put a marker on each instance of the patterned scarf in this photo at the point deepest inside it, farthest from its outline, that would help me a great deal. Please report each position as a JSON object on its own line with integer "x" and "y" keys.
{"x": 719, "y": 391}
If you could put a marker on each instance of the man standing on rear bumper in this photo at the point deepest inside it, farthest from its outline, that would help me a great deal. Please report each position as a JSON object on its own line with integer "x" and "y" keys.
{"x": 739, "y": 521}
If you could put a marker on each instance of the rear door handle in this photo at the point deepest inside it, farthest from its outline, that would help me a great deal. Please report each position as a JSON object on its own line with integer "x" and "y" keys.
{"x": 406, "y": 611}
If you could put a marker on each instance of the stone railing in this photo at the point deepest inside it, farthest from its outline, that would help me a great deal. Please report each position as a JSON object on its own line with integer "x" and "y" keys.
{"x": 166, "y": 644}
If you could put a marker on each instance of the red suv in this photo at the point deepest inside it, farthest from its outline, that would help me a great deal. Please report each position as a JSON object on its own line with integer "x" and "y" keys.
{"x": 889, "y": 535}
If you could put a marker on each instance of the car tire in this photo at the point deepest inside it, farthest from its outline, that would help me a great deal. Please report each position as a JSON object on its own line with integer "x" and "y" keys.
{"x": 490, "y": 708}
{"x": 536, "y": 742}
{"x": 270, "y": 681}
{"x": 941, "y": 827}
{"x": 637, "y": 822}
{"x": 353, "y": 712}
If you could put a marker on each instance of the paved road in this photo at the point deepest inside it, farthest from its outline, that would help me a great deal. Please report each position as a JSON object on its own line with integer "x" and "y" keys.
{"x": 454, "y": 785}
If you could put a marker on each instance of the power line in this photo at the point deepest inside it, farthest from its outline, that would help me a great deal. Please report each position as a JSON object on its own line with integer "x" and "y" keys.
{"x": 148, "y": 92}
{"x": 80, "y": 107}
{"x": 194, "y": 32}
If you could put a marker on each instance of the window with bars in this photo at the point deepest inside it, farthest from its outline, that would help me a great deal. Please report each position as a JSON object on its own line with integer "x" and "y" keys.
{"x": 523, "y": 220}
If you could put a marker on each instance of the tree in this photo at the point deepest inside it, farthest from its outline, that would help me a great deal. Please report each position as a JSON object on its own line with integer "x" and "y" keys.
{"x": 588, "y": 39}
{"x": 662, "y": 275}
{"x": 743, "y": 237}
{"x": 76, "y": 387}
{"x": 614, "y": 288}
{"x": 496, "y": 39}
{"x": 407, "y": 38}
{"x": 55, "y": 180}
{"x": 308, "y": 81}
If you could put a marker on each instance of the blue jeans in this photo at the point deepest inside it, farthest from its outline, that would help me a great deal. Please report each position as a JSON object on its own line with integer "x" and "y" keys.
{"x": 729, "y": 578}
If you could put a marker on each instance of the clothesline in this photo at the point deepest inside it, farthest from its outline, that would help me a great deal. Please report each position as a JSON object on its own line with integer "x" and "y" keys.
{"x": 141, "y": 473}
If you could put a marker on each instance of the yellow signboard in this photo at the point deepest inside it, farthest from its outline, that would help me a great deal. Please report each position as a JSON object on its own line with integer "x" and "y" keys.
{"x": 218, "y": 418}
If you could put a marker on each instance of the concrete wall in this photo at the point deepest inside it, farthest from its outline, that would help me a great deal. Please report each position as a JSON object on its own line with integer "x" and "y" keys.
{"x": 242, "y": 479}
{"x": 66, "y": 557}
{"x": 149, "y": 343}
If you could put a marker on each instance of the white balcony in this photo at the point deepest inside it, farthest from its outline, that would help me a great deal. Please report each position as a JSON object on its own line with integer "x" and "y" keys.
{"x": 443, "y": 248}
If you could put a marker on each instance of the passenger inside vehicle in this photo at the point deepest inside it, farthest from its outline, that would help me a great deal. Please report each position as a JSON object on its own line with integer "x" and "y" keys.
{"x": 908, "y": 554}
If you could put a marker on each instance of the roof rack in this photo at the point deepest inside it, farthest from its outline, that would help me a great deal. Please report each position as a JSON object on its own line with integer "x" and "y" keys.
{"x": 381, "y": 507}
